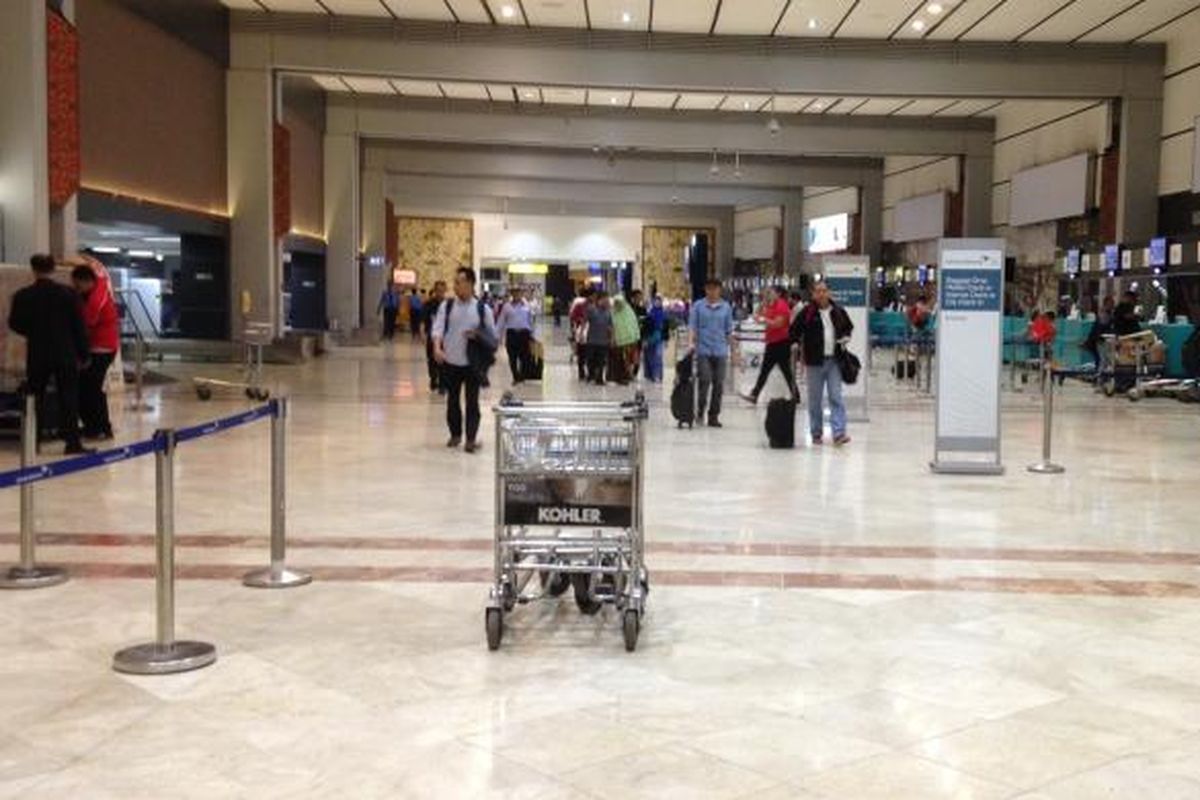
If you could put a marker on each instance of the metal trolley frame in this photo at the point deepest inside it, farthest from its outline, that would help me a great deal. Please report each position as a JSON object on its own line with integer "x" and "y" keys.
{"x": 570, "y": 486}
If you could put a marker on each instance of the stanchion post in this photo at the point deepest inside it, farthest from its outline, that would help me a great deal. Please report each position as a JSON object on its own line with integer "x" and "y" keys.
{"x": 165, "y": 655}
{"x": 27, "y": 574}
{"x": 278, "y": 576}
{"x": 1045, "y": 466}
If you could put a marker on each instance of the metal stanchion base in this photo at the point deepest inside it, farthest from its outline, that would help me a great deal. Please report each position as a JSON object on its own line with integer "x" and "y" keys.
{"x": 156, "y": 659}
{"x": 276, "y": 578}
{"x": 1047, "y": 468}
{"x": 32, "y": 578}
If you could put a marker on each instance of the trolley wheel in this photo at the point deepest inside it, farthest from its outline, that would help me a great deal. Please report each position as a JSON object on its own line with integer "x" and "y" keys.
{"x": 583, "y": 594}
{"x": 630, "y": 627}
{"x": 1134, "y": 395}
{"x": 493, "y": 621}
{"x": 204, "y": 392}
{"x": 554, "y": 584}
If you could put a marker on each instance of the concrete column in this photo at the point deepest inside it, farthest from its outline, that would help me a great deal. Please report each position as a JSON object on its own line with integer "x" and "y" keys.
{"x": 1137, "y": 188}
{"x": 725, "y": 236}
{"x": 870, "y": 212}
{"x": 977, "y": 171}
{"x": 24, "y": 157}
{"x": 341, "y": 231}
{"x": 793, "y": 232}
{"x": 374, "y": 238}
{"x": 254, "y": 253}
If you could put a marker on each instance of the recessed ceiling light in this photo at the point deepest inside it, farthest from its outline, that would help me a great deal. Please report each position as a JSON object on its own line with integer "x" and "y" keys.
{"x": 507, "y": 12}
{"x": 818, "y": 106}
{"x": 746, "y": 105}
{"x": 813, "y": 24}
{"x": 612, "y": 100}
{"x": 918, "y": 25}
{"x": 527, "y": 95}
{"x": 626, "y": 17}
{"x": 935, "y": 8}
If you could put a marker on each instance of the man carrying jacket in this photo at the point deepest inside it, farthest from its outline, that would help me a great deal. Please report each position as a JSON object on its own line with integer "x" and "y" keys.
{"x": 824, "y": 326}
{"x": 47, "y": 314}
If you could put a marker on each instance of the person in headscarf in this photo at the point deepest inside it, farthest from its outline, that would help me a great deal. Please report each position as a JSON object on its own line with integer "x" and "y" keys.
{"x": 627, "y": 337}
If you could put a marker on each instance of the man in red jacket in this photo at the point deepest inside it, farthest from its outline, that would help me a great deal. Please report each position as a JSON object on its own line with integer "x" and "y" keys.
{"x": 100, "y": 317}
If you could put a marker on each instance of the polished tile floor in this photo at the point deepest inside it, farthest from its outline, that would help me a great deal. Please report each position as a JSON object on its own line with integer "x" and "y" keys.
{"x": 823, "y": 624}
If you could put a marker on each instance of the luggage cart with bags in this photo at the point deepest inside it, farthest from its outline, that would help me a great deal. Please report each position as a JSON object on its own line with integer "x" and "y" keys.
{"x": 569, "y": 495}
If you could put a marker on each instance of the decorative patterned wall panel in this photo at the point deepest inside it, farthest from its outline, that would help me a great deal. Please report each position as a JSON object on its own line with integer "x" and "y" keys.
{"x": 281, "y": 153}
{"x": 62, "y": 52}
{"x": 663, "y": 258}
{"x": 435, "y": 248}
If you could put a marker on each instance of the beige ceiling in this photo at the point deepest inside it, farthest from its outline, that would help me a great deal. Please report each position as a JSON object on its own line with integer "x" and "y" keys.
{"x": 968, "y": 20}
{"x": 678, "y": 101}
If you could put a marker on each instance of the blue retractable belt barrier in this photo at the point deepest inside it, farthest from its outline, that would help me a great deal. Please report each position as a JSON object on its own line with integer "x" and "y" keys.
{"x": 115, "y": 455}
{"x": 225, "y": 423}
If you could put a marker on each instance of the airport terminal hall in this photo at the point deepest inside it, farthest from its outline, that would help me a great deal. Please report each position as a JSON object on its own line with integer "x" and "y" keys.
{"x": 567, "y": 399}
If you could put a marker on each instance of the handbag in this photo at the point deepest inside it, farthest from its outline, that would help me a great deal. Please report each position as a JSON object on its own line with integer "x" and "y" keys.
{"x": 848, "y": 365}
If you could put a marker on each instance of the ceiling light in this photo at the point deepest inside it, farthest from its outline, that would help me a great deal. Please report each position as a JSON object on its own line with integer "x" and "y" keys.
{"x": 528, "y": 95}
{"x": 813, "y": 24}
{"x": 935, "y": 8}
{"x": 141, "y": 254}
{"x": 737, "y": 164}
{"x": 817, "y": 106}
{"x": 612, "y": 101}
{"x": 507, "y": 12}
{"x": 626, "y": 17}
{"x": 715, "y": 169}
{"x": 918, "y": 25}
{"x": 745, "y": 105}
{"x": 103, "y": 249}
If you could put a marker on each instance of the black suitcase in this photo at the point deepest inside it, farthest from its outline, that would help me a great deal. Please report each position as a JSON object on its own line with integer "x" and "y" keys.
{"x": 781, "y": 423}
{"x": 533, "y": 369}
{"x": 683, "y": 401}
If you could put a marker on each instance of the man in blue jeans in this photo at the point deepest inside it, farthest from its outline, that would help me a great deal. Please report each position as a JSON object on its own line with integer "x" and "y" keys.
{"x": 825, "y": 326}
{"x": 710, "y": 326}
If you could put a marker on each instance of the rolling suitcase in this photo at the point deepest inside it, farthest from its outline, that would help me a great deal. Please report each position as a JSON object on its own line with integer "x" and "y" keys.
{"x": 683, "y": 395}
{"x": 781, "y": 423}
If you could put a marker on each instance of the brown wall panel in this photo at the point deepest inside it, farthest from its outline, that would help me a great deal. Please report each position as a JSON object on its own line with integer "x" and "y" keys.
{"x": 307, "y": 167}
{"x": 152, "y": 111}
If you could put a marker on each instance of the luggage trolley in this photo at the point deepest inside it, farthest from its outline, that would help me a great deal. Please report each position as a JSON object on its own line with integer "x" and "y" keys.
{"x": 257, "y": 336}
{"x": 569, "y": 496}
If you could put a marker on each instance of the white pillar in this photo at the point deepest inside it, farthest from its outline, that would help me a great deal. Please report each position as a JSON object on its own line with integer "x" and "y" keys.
{"x": 374, "y": 238}
{"x": 254, "y": 253}
{"x": 24, "y": 156}
{"x": 341, "y": 231}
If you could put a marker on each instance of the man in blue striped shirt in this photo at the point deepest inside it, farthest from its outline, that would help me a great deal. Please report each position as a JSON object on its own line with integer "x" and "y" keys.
{"x": 710, "y": 324}
{"x": 516, "y": 326}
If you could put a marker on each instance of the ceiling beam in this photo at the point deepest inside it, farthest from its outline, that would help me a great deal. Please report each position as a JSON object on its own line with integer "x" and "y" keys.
{"x": 684, "y": 62}
{"x": 417, "y": 189}
{"x": 483, "y": 204}
{"x": 575, "y": 128}
{"x": 618, "y": 167}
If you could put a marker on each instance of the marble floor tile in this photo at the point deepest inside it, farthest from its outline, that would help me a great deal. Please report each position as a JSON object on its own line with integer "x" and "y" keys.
{"x": 898, "y": 776}
{"x": 1013, "y": 753}
{"x": 821, "y": 624}
{"x": 672, "y": 773}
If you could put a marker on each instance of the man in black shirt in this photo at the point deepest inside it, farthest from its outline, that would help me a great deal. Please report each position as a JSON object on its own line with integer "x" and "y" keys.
{"x": 428, "y": 312}
{"x": 1125, "y": 318}
{"x": 47, "y": 315}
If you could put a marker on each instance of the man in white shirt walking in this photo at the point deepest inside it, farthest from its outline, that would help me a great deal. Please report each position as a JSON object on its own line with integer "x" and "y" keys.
{"x": 464, "y": 343}
{"x": 516, "y": 325}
